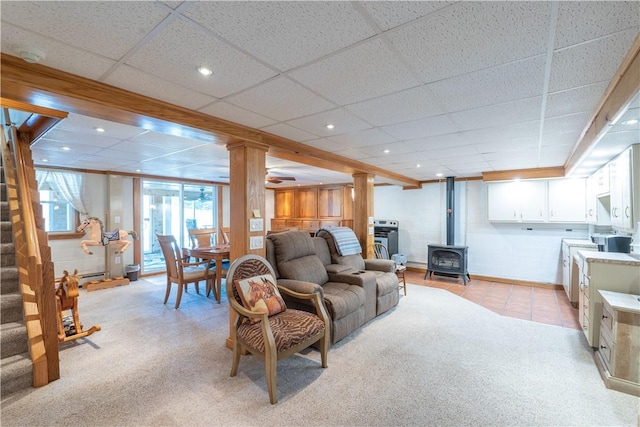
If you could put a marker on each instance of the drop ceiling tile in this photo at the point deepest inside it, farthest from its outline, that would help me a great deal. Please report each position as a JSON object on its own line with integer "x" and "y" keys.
{"x": 575, "y": 100}
{"x": 343, "y": 121}
{"x": 438, "y": 141}
{"x": 226, "y": 111}
{"x": 85, "y": 126}
{"x": 284, "y": 34}
{"x": 179, "y": 49}
{"x": 507, "y": 145}
{"x": 519, "y": 130}
{"x": 58, "y": 55}
{"x": 363, "y": 138}
{"x": 471, "y": 36}
{"x": 138, "y": 81}
{"x": 566, "y": 138}
{"x": 389, "y": 14}
{"x": 523, "y": 110}
{"x": 361, "y": 72}
{"x": 131, "y": 156}
{"x": 504, "y": 83}
{"x": 70, "y": 138}
{"x": 410, "y": 104}
{"x": 353, "y": 153}
{"x": 96, "y": 27}
{"x": 287, "y": 131}
{"x": 590, "y": 62}
{"x": 581, "y": 21}
{"x": 167, "y": 142}
{"x": 415, "y": 129}
{"x": 570, "y": 123}
{"x": 325, "y": 144}
{"x": 50, "y": 146}
{"x": 280, "y": 99}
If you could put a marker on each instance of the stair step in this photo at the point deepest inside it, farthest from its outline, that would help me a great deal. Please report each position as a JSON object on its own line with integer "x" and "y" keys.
{"x": 9, "y": 280}
{"x": 16, "y": 374}
{"x": 6, "y": 231}
{"x": 13, "y": 339}
{"x": 11, "y": 308}
{"x": 5, "y": 211}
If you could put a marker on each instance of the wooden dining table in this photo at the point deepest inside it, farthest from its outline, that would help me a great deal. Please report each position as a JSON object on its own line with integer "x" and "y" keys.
{"x": 218, "y": 253}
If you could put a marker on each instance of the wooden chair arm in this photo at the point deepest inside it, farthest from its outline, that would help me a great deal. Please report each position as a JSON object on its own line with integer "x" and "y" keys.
{"x": 316, "y": 297}
{"x": 243, "y": 312}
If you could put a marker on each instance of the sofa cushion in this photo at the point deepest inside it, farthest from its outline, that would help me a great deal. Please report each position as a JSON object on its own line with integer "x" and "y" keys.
{"x": 291, "y": 245}
{"x": 386, "y": 282}
{"x": 341, "y": 299}
{"x": 322, "y": 250}
{"x": 308, "y": 269}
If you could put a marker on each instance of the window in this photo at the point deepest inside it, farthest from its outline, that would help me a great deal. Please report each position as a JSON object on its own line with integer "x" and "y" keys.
{"x": 59, "y": 215}
{"x": 61, "y": 200}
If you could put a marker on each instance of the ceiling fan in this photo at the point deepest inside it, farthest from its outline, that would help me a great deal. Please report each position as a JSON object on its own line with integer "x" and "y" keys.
{"x": 201, "y": 197}
{"x": 278, "y": 179}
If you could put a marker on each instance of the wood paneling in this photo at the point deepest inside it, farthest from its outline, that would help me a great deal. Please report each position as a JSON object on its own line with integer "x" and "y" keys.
{"x": 363, "y": 211}
{"x": 537, "y": 173}
{"x": 306, "y": 204}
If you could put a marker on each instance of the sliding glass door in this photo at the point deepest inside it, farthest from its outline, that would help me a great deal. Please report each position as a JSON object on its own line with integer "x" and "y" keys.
{"x": 172, "y": 208}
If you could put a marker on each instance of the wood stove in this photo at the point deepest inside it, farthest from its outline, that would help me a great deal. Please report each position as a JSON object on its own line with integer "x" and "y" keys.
{"x": 448, "y": 260}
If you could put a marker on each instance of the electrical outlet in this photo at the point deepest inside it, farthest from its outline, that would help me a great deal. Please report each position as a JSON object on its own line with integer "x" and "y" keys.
{"x": 255, "y": 242}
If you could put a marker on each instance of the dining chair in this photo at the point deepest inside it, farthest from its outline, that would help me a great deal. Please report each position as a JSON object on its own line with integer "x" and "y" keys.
{"x": 201, "y": 237}
{"x": 182, "y": 272}
{"x": 264, "y": 326}
{"x": 381, "y": 252}
{"x": 225, "y": 233}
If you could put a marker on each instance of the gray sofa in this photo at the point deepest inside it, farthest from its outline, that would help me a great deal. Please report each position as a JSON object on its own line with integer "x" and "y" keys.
{"x": 304, "y": 264}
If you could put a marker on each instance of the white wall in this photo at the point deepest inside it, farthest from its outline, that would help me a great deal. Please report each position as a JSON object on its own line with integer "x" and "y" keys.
{"x": 67, "y": 254}
{"x": 508, "y": 251}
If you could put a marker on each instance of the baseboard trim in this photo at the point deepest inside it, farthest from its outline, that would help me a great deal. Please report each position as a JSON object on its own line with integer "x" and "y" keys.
{"x": 519, "y": 282}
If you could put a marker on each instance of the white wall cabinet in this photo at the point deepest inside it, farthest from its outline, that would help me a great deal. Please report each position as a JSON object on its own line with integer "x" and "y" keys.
{"x": 517, "y": 201}
{"x": 561, "y": 201}
{"x": 621, "y": 191}
{"x": 567, "y": 200}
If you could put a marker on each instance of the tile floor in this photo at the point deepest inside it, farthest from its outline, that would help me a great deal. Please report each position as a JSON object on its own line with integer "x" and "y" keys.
{"x": 524, "y": 302}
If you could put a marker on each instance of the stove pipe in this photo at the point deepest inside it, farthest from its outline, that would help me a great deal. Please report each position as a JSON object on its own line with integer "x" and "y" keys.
{"x": 450, "y": 209}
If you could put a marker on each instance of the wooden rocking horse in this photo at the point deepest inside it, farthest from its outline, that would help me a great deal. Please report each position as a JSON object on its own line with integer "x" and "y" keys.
{"x": 99, "y": 237}
{"x": 67, "y": 294}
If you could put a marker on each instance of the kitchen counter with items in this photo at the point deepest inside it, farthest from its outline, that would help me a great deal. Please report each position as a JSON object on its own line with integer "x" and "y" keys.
{"x": 609, "y": 271}
{"x": 618, "y": 354}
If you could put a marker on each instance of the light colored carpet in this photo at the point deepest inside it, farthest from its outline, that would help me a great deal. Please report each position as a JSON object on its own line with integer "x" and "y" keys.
{"x": 436, "y": 359}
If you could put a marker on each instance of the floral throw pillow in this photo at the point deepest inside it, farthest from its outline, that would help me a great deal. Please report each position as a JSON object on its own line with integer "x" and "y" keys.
{"x": 260, "y": 294}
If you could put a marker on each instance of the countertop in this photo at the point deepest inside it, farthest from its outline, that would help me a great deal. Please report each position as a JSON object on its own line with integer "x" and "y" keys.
{"x": 622, "y": 302}
{"x": 610, "y": 258}
{"x": 580, "y": 242}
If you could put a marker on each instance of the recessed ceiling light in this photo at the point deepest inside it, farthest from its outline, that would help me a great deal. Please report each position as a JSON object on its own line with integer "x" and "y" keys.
{"x": 65, "y": 148}
{"x": 44, "y": 160}
{"x": 630, "y": 122}
{"x": 330, "y": 126}
{"x": 418, "y": 165}
{"x": 138, "y": 170}
{"x": 205, "y": 71}
{"x": 99, "y": 129}
{"x": 385, "y": 151}
{"x": 438, "y": 175}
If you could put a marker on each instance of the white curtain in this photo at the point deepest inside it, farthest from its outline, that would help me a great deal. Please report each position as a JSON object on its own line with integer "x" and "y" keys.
{"x": 68, "y": 184}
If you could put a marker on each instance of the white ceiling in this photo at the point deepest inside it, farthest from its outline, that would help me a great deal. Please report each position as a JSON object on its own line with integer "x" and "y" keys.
{"x": 457, "y": 87}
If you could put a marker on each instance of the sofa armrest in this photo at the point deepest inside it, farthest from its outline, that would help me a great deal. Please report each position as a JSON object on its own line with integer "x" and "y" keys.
{"x": 386, "y": 265}
{"x": 354, "y": 277}
{"x": 336, "y": 268}
{"x": 301, "y": 286}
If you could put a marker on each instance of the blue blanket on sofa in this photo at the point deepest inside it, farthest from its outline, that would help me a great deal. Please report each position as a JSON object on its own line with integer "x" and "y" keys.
{"x": 346, "y": 241}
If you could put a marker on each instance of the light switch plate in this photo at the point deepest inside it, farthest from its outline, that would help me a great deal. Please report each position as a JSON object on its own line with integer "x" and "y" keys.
{"x": 255, "y": 242}
{"x": 256, "y": 224}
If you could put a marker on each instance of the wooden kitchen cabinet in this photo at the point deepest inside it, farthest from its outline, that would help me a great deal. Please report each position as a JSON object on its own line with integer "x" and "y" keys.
{"x": 284, "y": 203}
{"x": 618, "y": 353}
{"x": 330, "y": 202}
{"x": 609, "y": 271}
{"x": 306, "y": 204}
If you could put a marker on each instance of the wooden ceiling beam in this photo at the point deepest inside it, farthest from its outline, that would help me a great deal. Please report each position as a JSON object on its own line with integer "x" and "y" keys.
{"x": 535, "y": 173}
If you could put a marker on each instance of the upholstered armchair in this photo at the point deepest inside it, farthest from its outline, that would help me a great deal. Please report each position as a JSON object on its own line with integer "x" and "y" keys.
{"x": 264, "y": 326}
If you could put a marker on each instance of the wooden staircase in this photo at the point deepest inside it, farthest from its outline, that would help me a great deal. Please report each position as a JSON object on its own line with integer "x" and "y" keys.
{"x": 29, "y": 340}
{"x": 15, "y": 364}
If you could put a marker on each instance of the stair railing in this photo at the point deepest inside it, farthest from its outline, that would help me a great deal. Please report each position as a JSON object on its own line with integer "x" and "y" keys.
{"x": 35, "y": 274}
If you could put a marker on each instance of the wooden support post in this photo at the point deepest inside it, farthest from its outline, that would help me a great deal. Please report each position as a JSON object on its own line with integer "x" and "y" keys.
{"x": 363, "y": 212}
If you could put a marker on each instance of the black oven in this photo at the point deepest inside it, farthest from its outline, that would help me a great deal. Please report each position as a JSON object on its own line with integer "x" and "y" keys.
{"x": 386, "y": 232}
